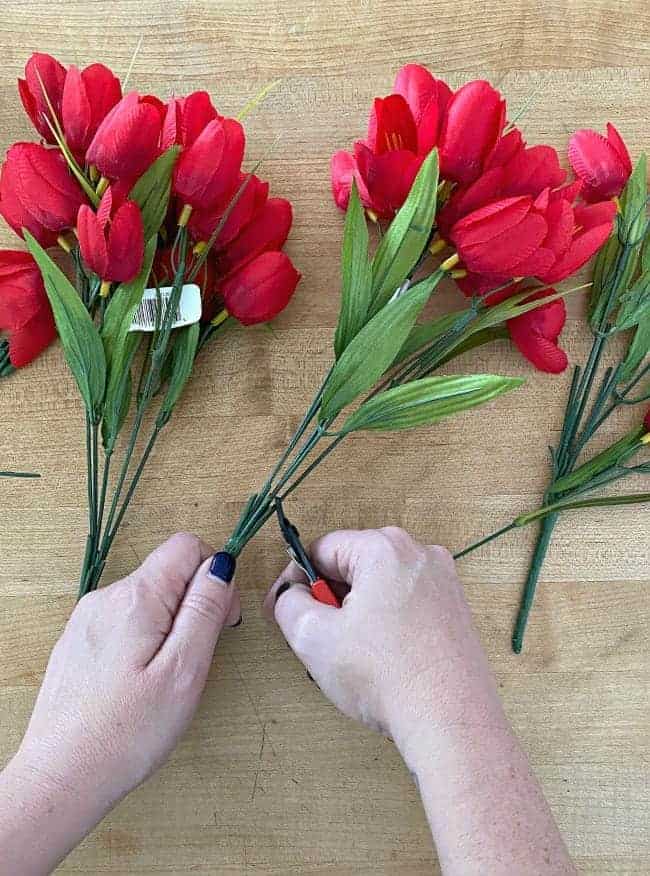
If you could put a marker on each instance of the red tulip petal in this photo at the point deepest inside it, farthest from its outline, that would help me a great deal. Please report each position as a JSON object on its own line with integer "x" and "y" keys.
{"x": 583, "y": 247}
{"x": 261, "y": 289}
{"x": 126, "y": 142}
{"x": 598, "y": 164}
{"x": 342, "y": 169}
{"x": 92, "y": 242}
{"x": 197, "y": 112}
{"x": 472, "y": 127}
{"x": 268, "y": 230}
{"x": 45, "y": 72}
{"x": 22, "y": 293}
{"x": 466, "y": 199}
{"x": 591, "y": 215}
{"x": 505, "y": 149}
{"x": 204, "y": 222}
{"x": 536, "y": 333}
{"x": 395, "y": 125}
{"x": 427, "y": 98}
{"x": 104, "y": 91}
{"x": 386, "y": 178}
{"x": 618, "y": 144}
{"x": 125, "y": 243}
{"x": 76, "y": 112}
{"x": 561, "y": 220}
{"x": 531, "y": 171}
{"x": 27, "y": 342}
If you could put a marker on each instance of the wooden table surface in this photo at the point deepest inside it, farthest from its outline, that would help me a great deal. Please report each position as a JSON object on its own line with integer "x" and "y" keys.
{"x": 271, "y": 779}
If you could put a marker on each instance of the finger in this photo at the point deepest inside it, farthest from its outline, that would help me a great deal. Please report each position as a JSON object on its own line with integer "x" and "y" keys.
{"x": 168, "y": 569}
{"x": 208, "y": 605}
{"x": 309, "y": 627}
{"x": 292, "y": 573}
{"x": 338, "y": 554}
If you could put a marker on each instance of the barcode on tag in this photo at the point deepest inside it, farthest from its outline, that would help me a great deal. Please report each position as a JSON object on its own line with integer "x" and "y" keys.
{"x": 154, "y": 305}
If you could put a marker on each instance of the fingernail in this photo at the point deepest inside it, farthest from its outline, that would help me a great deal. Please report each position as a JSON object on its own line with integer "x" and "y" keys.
{"x": 282, "y": 589}
{"x": 222, "y": 567}
{"x": 237, "y": 623}
{"x": 309, "y": 676}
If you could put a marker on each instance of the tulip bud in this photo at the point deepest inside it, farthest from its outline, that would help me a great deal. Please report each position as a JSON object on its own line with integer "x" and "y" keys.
{"x": 42, "y": 72}
{"x": 88, "y": 97}
{"x": 37, "y": 192}
{"x": 186, "y": 118}
{"x": 602, "y": 163}
{"x": 127, "y": 142}
{"x": 112, "y": 241}
{"x": 207, "y": 172}
{"x": 472, "y": 127}
{"x": 25, "y": 311}
{"x": 261, "y": 289}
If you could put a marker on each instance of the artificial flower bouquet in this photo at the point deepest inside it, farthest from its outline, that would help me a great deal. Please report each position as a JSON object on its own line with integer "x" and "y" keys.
{"x": 615, "y": 375}
{"x": 453, "y": 191}
{"x": 167, "y": 242}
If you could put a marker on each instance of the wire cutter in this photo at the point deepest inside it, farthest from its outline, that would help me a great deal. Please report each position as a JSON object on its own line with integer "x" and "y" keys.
{"x": 319, "y": 587}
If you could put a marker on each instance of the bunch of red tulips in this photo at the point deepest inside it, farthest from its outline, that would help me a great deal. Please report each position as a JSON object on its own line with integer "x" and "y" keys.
{"x": 505, "y": 207}
{"x": 72, "y": 190}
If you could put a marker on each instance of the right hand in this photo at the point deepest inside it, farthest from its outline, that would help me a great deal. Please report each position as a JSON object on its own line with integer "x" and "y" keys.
{"x": 402, "y": 649}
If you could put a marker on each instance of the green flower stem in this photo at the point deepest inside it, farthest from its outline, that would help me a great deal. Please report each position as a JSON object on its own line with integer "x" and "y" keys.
{"x": 19, "y": 474}
{"x": 528, "y": 594}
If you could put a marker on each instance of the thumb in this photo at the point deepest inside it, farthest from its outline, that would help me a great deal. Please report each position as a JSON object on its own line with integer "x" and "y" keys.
{"x": 211, "y": 602}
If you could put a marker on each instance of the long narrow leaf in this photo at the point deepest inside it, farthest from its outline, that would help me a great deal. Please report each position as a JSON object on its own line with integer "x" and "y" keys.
{"x": 373, "y": 350}
{"x": 80, "y": 339}
{"x": 182, "y": 361}
{"x": 356, "y": 276}
{"x": 151, "y": 192}
{"x": 407, "y": 236}
{"x": 425, "y": 401}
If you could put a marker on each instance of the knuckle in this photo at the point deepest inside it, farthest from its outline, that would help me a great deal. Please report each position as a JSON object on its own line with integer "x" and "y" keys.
{"x": 186, "y": 542}
{"x": 205, "y": 605}
{"x": 442, "y": 554}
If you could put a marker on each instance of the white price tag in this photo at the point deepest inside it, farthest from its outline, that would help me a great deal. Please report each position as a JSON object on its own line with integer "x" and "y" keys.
{"x": 153, "y": 307}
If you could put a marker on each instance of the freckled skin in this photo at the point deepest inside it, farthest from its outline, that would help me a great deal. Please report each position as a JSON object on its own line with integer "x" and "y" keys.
{"x": 402, "y": 656}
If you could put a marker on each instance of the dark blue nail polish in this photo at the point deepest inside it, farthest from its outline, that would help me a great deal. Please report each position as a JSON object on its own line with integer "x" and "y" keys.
{"x": 237, "y": 623}
{"x": 223, "y": 567}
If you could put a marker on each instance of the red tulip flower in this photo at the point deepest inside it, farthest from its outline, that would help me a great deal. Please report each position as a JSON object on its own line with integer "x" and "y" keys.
{"x": 536, "y": 334}
{"x": 127, "y": 141}
{"x": 37, "y": 192}
{"x": 575, "y": 235}
{"x": 111, "y": 240}
{"x": 402, "y": 130}
{"x": 186, "y": 118}
{"x": 261, "y": 289}
{"x": 42, "y": 71}
{"x": 267, "y": 230}
{"x": 602, "y": 163}
{"x": 472, "y": 128}
{"x": 252, "y": 198}
{"x": 88, "y": 96}
{"x": 207, "y": 172}
{"x": 25, "y": 311}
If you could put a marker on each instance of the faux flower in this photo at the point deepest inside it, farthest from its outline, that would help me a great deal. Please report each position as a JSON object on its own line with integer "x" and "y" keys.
{"x": 207, "y": 172}
{"x": 203, "y": 223}
{"x": 536, "y": 334}
{"x": 88, "y": 96}
{"x": 37, "y": 192}
{"x": 472, "y": 128}
{"x": 42, "y": 71}
{"x": 25, "y": 311}
{"x": 261, "y": 289}
{"x": 402, "y": 130}
{"x": 127, "y": 141}
{"x": 111, "y": 240}
{"x": 186, "y": 118}
{"x": 602, "y": 163}
{"x": 267, "y": 230}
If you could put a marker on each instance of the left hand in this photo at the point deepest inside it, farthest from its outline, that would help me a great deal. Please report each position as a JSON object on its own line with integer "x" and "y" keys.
{"x": 121, "y": 687}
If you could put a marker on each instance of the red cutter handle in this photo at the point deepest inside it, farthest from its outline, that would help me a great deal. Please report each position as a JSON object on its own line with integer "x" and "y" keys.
{"x": 322, "y": 592}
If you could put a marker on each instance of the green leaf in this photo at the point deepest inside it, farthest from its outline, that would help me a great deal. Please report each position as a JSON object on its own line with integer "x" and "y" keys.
{"x": 182, "y": 361}
{"x": 603, "y": 272}
{"x": 634, "y": 303}
{"x": 356, "y": 279}
{"x": 570, "y": 505}
{"x": 615, "y": 454}
{"x": 645, "y": 254}
{"x": 429, "y": 332}
{"x": 633, "y": 205}
{"x": 151, "y": 192}
{"x": 120, "y": 346}
{"x": 476, "y": 339}
{"x": 428, "y": 400}
{"x": 638, "y": 349}
{"x": 407, "y": 236}
{"x": 373, "y": 350}
{"x": 80, "y": 339}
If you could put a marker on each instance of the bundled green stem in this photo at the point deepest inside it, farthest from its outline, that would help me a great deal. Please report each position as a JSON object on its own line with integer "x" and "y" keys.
{"x": 620, "y": 300}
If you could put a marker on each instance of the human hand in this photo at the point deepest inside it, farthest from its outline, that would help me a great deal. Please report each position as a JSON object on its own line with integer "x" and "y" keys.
{"x": 402, "y": 656}
{"x": 121, "y": 687}
{"x": 402, "y": 650}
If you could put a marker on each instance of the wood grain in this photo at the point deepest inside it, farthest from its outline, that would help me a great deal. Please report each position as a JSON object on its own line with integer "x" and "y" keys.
{"x": 270, "y": 779}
